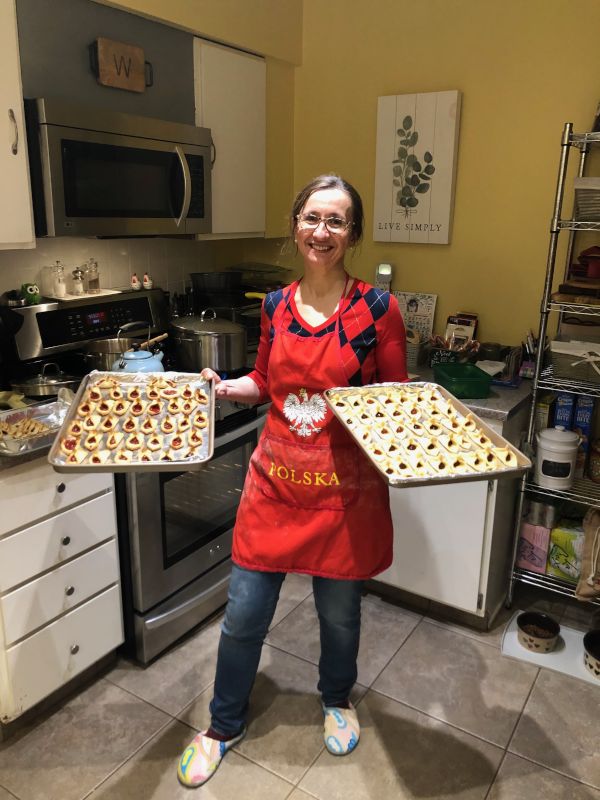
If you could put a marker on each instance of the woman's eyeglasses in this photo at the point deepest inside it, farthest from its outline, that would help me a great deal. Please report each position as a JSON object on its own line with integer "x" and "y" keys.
{"x": 333, "y": 224}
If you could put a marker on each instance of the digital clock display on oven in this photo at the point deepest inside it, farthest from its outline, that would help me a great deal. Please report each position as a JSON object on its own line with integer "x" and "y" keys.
{"x": 95, "y": 319}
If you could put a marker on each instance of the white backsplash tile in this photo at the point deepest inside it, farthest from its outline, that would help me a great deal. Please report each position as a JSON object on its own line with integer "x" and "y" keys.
{"x": 168, "y": 261}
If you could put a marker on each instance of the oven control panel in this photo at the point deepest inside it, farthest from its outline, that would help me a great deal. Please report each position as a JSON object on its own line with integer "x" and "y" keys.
{"x": 83, "y": 323}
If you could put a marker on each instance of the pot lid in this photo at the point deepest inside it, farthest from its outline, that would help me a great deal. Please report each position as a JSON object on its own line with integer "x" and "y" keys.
{"x": 558, "y": 436}
{"x": 205, "y": 324}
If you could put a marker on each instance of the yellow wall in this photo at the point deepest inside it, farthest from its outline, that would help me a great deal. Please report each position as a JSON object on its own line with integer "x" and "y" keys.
{"x": 268, "y": 27}
{"x": 524, "y": 67}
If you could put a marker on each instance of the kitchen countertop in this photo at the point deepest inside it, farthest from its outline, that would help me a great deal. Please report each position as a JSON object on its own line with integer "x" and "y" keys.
{"x": 502, "y": 402}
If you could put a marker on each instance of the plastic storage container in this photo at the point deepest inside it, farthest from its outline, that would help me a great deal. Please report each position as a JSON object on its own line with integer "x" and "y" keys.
{"x": 463, "y": 380}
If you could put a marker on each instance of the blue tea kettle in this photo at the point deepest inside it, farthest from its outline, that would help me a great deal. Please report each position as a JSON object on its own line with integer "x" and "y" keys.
{"x": 139, "y": 359}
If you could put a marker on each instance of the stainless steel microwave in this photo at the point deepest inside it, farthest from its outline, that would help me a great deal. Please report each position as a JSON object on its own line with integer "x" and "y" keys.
{"x": 101, "y": 173}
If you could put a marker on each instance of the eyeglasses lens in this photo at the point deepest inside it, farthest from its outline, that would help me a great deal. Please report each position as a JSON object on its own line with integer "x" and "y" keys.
{"x": 333, "y": 224}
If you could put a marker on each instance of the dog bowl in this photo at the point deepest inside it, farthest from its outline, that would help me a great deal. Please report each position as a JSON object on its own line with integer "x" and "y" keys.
{"x": 537, "y": 632}
{"x": 591, "y": 655}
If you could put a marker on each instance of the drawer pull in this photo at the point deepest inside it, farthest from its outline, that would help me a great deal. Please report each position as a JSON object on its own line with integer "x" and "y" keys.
{"x": 61, "y": 487}
{"x": 74, "y": 649}
{"x": 69, "y": 590}
{"x": 65, "y": 540}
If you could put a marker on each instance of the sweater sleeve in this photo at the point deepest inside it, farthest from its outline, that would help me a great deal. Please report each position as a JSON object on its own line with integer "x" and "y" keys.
{"x": 261, "y": 368}
{"x": 390, "y": 352}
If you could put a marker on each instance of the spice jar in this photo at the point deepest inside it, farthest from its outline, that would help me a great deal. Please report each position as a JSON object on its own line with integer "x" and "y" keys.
{"x": 78, "y": 276}
{"x": 60, "y": 287}
{"x": 92, "y": 277}
{"x": 594, "y": 461}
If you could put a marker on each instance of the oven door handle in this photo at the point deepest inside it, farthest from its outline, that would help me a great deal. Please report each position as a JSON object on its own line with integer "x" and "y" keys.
{"x": 168, "y": 616}
{"x": 231, "y": 436}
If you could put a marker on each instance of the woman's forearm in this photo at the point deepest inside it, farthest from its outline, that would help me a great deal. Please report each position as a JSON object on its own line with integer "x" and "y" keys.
{"x": 243, "y": 389}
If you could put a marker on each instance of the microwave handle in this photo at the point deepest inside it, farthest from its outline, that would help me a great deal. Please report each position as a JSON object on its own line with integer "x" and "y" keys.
{"x": 187, "y": 185}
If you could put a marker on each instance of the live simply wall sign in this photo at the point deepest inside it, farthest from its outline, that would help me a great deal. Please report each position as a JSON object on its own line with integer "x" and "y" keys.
{"x": 417, "y": 145}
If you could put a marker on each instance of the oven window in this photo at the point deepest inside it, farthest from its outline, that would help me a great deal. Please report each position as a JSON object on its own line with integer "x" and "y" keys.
{"x": 199, "y": 506}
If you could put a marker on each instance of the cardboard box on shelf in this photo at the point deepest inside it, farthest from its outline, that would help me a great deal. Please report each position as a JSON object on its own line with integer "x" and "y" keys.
{"x": 544, "y": 411}
{"x": 566, "y": 550}
{"x": 564, "y": 410}
{"x": 582, "y": 424}
{"x": 534, "y": 541}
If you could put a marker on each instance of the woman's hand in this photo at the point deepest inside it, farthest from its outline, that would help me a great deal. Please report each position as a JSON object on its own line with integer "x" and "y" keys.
{"x": 243, "y": 390}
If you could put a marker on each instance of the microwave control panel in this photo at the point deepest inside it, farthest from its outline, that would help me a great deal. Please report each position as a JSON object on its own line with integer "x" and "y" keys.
{"x": 83, "y": 323}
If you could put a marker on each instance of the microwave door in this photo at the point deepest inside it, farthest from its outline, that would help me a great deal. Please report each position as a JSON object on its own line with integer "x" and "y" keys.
{"x": 102, "y": 184}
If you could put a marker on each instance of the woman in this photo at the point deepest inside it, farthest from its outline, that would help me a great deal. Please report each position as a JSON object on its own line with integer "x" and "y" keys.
{"x": 312, "y": 503}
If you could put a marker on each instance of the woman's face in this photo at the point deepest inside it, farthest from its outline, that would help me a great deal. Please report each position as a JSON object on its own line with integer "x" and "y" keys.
{"x": 318, "y": 246}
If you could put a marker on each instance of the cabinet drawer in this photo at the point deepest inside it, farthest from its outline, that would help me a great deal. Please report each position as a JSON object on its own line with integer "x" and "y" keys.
{"x": 48, "y": 659}
{"x": 25, "y": 554}
{"x": 46, "y": 598}
{"x": 35, "y": 490}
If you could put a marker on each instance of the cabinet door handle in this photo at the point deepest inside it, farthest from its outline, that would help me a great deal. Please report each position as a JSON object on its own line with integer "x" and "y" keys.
{"x": 65, "y": 540}
{"x": 69, "y": 590}
{"x": 74, "y": 649}
{"x": 61, "y": 487}
{"x": 15, "y": 145}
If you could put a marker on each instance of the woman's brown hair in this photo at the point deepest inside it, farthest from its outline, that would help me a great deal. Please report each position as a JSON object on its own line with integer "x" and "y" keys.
{"x": 331, "y": 182}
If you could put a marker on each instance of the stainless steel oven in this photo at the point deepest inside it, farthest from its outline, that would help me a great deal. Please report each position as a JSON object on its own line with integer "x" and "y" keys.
{"x": 176, "y": 535}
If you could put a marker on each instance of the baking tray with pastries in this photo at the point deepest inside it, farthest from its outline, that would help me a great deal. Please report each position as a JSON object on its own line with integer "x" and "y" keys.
{"x": 418, "y": 434}
{"x": 25, "y": 430}
{"x": 139, "y": 421}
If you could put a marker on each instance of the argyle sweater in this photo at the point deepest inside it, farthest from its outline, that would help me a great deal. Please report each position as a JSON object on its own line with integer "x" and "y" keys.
{"x": 371, "y": 335}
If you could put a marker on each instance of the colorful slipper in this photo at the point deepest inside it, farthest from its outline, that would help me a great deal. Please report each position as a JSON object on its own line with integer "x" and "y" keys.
{"x": 201, "y": 758}
{"x": 342, "y": 730}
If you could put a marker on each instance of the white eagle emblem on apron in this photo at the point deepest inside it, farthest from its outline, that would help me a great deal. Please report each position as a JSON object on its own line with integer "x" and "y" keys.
{"x": 303, "y": 412}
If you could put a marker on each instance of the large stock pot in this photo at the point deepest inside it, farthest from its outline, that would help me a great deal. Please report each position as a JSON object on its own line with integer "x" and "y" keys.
{"x": 206, "y": 341}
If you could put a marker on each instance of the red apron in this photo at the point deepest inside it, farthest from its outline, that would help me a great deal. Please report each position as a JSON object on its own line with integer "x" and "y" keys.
{"x": 312, "y": 502}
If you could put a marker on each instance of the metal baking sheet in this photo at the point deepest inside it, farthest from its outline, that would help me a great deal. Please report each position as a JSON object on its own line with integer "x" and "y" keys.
{"x": 369, "y": 421}
{"x": 26, "y": 430}
{"x": 96, "y": 389}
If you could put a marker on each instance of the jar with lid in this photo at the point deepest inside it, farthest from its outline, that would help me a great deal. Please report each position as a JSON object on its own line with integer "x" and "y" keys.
{"x": 60, "y": 286}
{"x": 77, "y": 281}
{"x": 92, "y": 277}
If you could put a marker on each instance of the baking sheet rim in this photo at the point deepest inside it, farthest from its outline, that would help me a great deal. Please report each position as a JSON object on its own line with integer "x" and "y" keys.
{"x": 145, "y": 466}
{"x": 398, "y": 483}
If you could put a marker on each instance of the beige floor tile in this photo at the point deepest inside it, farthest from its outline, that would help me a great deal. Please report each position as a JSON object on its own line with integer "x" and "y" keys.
{"x": 459, "y": 680}
{"x": 403, "y": 754}
{"x": 384, "y": 628}
{"x": 285, "y": 721}
{"x": 298, "y": 794}
{"x": 559, "y": 727}
{"x": 5, "y": 795}
{"x": 295, "y": 589}
{"x": 152, "y": 773}
{"x": 178, "y": 676}
{"x": 67, "y": 754}
{"x": 519, "y": 779}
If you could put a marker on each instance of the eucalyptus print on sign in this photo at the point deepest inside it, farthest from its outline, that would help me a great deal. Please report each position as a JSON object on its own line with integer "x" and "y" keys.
{"x": 411, "y": 176}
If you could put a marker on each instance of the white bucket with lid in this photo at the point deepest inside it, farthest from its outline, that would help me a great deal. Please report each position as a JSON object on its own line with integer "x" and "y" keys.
{"x": 555, "y": 458}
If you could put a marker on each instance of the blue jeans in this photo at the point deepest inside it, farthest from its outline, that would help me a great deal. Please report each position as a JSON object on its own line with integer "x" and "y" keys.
{"x": 252, "y": 599}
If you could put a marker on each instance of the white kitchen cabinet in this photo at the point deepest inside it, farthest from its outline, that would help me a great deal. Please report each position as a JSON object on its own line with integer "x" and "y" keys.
{"x": 452, "y": 541}
{"x": 60, "y": 596}
{"x": 230, "y": 89}
{"x": 16, "y": 213}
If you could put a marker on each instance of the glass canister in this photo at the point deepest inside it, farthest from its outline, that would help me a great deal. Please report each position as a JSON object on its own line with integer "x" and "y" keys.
{"x": 92, "y": 277}
{"x": 60, "y": 286}
{"x": 594, "y": 461}
{"x": 77, "y": 281}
